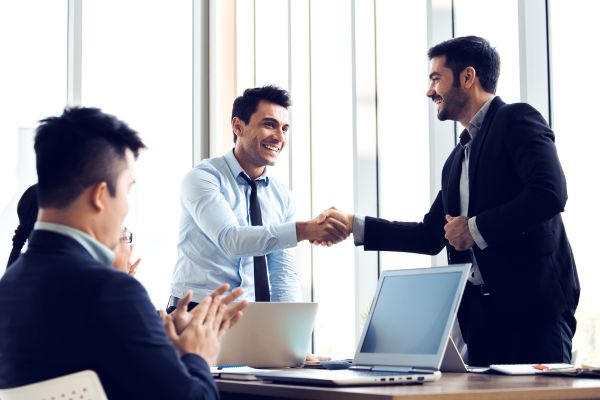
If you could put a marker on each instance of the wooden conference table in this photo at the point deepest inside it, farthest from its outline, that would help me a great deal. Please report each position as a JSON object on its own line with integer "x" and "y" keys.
{"x": 452, "y": 386}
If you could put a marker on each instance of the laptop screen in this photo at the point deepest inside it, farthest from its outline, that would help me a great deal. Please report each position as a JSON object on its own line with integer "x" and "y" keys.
{"x": 411, "y": 316}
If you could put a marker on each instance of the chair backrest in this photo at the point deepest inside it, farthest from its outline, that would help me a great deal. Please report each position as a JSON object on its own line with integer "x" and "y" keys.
{"x": 83, "y": 385}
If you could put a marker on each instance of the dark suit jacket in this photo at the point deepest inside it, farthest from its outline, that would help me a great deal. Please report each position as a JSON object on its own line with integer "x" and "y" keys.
{"x": 517, "y": 191}
{"x": 62, "y": 312}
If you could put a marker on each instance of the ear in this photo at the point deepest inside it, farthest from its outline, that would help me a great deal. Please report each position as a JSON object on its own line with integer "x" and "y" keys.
{"x": 237, "y": 126}
{"x": 468, "y": 76}
{"x": 98, "y": 195}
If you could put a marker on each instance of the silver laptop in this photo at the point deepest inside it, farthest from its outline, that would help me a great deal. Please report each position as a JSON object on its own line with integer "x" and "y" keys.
{"x": 405, "y": 334}
{"x": 453, "y": 362}
{"x": 269, "y": 335}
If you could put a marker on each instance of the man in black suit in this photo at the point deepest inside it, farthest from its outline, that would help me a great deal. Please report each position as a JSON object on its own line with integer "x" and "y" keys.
{"x": 503, "y": 190}
{"x": 63, "y": 308}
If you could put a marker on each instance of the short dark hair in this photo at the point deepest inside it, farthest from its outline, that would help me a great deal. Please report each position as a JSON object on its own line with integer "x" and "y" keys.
{"x": 78, "y": 149}
{"x": 462, "y": 52}
{"x": 245, "y": 105}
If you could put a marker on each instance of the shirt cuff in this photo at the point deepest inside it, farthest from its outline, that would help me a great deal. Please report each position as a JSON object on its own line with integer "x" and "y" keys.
{"x": 479, "y": 240}
{"x": 358, "y": 230}
{"x": 286, "y": 235}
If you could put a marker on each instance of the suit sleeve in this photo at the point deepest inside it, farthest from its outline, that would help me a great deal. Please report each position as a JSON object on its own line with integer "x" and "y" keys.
{"x": 426, "y": 237}
{"x": 529, "y": 144}
{"x": 149, "y": 366}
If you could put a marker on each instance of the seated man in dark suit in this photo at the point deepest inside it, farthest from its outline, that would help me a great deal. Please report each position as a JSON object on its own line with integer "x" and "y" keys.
{"x": 63, "y": 308}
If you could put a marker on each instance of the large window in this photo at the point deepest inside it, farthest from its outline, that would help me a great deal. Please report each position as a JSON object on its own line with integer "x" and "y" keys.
{"x": 402, "y": 120}
{"x": 574, "y": 54}
{"x": 497, "y": 21}
{"x": 332, "y": 163}
{"x": 32, "y": 86}
{"x": 144, "y": 77}
{"x": 271, "y": 59}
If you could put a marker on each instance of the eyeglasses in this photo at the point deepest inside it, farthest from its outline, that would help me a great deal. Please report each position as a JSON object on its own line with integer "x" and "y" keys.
{"x": 126, "y": 236}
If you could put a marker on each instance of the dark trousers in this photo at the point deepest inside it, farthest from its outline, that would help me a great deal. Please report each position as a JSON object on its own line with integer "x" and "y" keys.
{"x": 495, "y": 336}
{"x": 172, "y": 304}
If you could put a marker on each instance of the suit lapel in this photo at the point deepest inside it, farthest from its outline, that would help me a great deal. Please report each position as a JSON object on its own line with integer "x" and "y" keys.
{"x": 453, "y": 199}
{"x": 477, "y": 144}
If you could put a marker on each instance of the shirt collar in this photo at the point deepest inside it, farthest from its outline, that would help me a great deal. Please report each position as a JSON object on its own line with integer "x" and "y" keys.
{"x": 236, "y": 168}
{"x": 477, "y": 120}
{"x": 97, "y": 250}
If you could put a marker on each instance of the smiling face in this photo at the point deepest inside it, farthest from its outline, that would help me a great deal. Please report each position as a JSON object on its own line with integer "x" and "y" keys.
{"x": 260, "y": 141}
{"x": 451, "y": 100}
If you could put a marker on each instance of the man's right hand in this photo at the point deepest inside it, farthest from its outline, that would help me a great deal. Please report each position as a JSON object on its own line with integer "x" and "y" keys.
{"x": 182, "y": 317}
{"x": 206, "y": 325}
{"x": 327, "y": 231}
{"x": 333, "y": 214}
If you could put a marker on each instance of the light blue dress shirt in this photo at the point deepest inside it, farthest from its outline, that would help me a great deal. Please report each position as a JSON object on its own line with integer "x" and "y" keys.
{"x": 217, "y": 241}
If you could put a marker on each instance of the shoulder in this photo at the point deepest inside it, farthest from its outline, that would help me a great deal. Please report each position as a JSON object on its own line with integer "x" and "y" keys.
{"x": 208, "y": 166}
{"x": 104, "y": 276}
{"x": 517, "y": 111}
{"x": 210, "y": 172}
{"x": 118, "y": 289}
{"x": 80, "y": 278}
{"x": 520, "y": 125}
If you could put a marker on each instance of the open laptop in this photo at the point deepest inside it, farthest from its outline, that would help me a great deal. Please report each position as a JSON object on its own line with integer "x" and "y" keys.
{"x": 405, "y": 334}
{"x": 269, "y": 335}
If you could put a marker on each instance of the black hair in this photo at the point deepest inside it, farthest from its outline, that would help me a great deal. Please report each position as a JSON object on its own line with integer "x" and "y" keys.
{"x": 78, "y": 149}
{"x": 245, "y": 105}
{"x": 27, "y": 210}
{"x": 473, "y": 51}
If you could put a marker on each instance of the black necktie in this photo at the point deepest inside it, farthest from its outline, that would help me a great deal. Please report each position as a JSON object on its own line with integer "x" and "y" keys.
{"x": 261, "y": 279}
{"x": 464, "y": 138}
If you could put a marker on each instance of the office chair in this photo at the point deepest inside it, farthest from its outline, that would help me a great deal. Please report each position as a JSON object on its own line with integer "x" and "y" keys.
{"x": 83, "y": 385}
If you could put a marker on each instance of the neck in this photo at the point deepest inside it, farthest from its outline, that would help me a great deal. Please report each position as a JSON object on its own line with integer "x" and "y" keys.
{"x": 473, "y": 106}
{"x": 252, "y": 170}
{"x": 64, "y": 217}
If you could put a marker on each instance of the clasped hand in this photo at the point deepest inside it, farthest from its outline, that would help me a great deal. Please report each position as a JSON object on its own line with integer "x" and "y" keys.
{"x": 340, "y": 220}
{"x": 458, "y": 233}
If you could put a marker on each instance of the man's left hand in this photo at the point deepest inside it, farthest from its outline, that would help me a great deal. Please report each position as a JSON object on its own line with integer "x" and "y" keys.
{"x": 458, "y": 234}
{"x": 122, "y": 260}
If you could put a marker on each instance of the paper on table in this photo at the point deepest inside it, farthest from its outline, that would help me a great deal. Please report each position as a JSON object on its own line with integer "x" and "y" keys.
{"x": 529, "y": 369}
{"x": 584, "y": 371}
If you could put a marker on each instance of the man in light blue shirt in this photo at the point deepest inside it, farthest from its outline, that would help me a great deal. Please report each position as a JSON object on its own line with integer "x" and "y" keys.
{"x": 217, "y": 242}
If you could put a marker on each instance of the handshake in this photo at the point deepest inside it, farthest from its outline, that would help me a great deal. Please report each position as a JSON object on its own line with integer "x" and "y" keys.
{"x": 330, "y": 227}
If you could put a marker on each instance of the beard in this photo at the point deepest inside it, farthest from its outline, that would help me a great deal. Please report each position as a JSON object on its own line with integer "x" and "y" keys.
{"x": 454, "y": 102}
